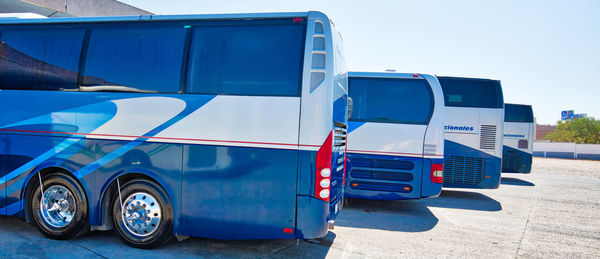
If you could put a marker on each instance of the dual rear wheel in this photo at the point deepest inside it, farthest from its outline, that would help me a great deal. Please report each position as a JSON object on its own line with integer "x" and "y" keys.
{"x": 142, "y": 214}
{"x": 144, "y": 219}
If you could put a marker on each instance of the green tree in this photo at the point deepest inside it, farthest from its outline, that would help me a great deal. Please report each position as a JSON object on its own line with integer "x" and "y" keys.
{"x": 584, "y": 130}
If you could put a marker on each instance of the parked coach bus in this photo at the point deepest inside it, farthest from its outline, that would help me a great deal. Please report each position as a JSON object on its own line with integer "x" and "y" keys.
{"x": 395, "y": 136}
{"x": 217, "y": 126}
{"x": 518, "y": 138}
{"x": 474, "y": 130}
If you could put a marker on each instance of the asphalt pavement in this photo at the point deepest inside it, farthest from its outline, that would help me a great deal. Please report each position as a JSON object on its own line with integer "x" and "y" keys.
{"x": 552, "y": 212}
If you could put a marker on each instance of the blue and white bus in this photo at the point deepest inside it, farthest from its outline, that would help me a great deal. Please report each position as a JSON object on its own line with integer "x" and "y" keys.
{"x": 222, "y": 126}
{"x": 474, "y": 130}
{"x": 395, "y": 136}
{"x": 519, "y": 130}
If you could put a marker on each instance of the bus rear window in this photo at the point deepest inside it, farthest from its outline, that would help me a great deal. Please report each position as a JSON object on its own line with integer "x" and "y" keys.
{"x": 247, "y": 60}
{"x": 468, "y": 92}
{"x": 391, "y": 100}
{"x": 518, "y": 113}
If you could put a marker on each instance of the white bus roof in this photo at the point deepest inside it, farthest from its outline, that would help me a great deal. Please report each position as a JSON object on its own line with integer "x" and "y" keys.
{"x": 13, "y": 16}
{"x": 153, "y": 18}
{"x": 462, "y": 77}
{"x": 386, "y": 75}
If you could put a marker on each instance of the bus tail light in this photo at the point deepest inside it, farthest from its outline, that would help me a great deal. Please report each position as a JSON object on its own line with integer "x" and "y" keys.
{"x": 323, "y": 169}
{"x": 437, "y": 173}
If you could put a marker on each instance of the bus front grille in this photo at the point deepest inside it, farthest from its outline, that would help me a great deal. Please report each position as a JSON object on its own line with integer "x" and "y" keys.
{"x": 383, "y": 163}
{"x": 381, "y": 186}
{"x": 511, "y": 161}
{"x": 464, "y": 170}
{"x": 381, "y": 175}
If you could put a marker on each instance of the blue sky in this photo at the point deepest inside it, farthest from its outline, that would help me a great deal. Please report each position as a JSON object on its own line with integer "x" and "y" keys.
{"x": 547, "y": 53}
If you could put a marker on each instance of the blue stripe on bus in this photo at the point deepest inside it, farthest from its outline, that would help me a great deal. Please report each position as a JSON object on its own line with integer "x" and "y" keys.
{"x": 18, "y": 185}
{"x": 131, "y": 145}
{"x": 66, "y": 153}
{"x": 352, "y": 125}
{"x": 98, "y": 114}
{"x": 38, "y": 160}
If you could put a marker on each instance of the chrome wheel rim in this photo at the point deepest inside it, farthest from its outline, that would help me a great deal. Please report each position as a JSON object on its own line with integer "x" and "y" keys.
{"x": 58, "y": 206}
{"x": 141, "y": 214}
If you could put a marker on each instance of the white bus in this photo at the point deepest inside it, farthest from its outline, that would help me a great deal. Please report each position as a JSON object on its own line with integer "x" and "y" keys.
{"x": 519, "y": 130}
{"x": 395, "y": 136}
{"x": 474, "y": 130}
{"x": 222, "y": 126}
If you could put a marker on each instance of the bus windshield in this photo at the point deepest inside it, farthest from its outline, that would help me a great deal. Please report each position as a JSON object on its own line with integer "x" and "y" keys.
{"x": 391, "y": 100}
{"x": 518, "y": 113}
{"x": 468, "y": 92}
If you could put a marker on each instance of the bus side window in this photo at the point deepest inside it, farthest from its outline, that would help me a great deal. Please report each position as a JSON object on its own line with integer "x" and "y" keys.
{"x": 146, "y": 59}
{"x": 40, "y": 59}
{"x": 246, "y": 60}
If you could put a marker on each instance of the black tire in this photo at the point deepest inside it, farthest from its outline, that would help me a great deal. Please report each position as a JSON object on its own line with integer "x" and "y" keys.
{"x": 78, "y": 224}
{"x": 162, "y": 234}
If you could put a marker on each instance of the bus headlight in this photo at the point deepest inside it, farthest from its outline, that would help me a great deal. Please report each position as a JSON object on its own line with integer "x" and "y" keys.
{"x": 325, "y": 183}
{"x": 326, "y": 172}
{"x": 324, "y": 194}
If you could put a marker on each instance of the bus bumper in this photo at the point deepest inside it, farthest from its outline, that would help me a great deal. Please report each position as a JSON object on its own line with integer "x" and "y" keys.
{"x": 314, "y": 216}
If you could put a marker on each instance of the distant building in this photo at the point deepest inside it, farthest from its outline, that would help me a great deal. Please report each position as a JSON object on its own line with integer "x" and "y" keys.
{"x": 542, "y": 130}
{"x": 62, "y": 8}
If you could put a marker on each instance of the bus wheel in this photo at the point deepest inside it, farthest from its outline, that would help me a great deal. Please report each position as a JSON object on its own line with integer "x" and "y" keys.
{"x": 146, "y": 218}
{"x": 61, "y": 212}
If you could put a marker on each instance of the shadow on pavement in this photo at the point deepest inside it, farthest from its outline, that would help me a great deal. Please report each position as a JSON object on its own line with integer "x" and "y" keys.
{"x": 407, "y": 215}
{"x": 17, "y": 238}
{"x": 515, "y": 181}
{"x": 464, "y": 200}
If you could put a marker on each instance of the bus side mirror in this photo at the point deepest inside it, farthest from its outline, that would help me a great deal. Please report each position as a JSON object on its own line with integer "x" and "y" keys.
{"x": 350, "y": 106}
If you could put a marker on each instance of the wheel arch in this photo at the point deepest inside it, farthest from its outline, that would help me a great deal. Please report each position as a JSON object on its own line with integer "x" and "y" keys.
{"x": 46, "y": 170}
{"x": 104, "y": 215}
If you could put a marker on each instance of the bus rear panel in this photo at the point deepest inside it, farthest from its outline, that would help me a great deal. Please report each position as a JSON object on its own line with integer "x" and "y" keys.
{"x": 519, "y": 130}
{"x": 474, "y": 130}
{"x": 395, "y": 148}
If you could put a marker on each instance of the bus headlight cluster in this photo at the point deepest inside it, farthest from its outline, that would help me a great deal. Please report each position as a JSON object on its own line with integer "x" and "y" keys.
{"x": 324, "y": 194}
{"x": 325, "y": 183}
{"x": 322, "y": 171}
{"x": 326, "y": 172}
